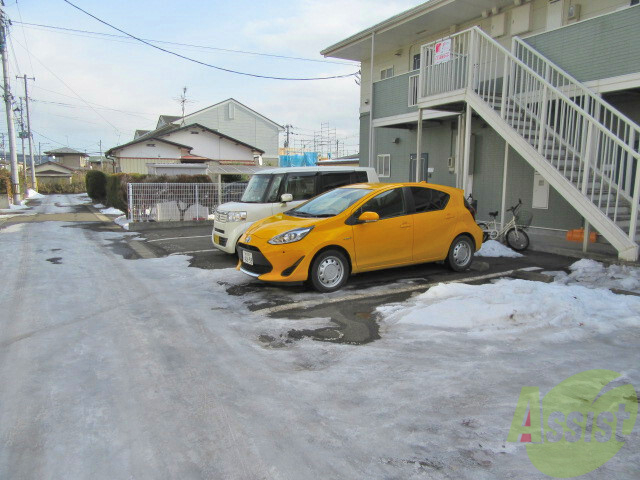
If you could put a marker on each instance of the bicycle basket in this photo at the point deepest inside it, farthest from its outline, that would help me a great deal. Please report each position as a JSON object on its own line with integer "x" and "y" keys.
{"x": 524, "y": 218}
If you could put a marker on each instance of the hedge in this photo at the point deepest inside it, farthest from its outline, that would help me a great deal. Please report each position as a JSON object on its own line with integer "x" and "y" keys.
{"x": 96, "y": 182}
{"x": 5, "y": 182}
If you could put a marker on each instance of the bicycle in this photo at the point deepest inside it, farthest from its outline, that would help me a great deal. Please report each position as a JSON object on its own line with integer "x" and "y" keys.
{"x": 513, "y": 232}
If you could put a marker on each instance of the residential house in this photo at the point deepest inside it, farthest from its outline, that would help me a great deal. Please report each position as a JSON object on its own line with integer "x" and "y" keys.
{"x": 191, "y": 143}
{"x": 69, "y": 157}
{"x": 510, "y": 99}
{"x": 53, "y": 172}
{"x": 230, "y": 118}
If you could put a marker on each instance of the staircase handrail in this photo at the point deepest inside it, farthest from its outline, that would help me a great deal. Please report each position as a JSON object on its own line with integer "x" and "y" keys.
{"x": 633, "y": 126}
{"x": 557, "y": 91}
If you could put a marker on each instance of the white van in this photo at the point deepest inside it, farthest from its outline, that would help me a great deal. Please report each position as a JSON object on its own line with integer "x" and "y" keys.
{"x": 276, "y": 190}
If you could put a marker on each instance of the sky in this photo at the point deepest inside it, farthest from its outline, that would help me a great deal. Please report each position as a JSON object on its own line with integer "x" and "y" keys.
{"x": 91, "y": 88}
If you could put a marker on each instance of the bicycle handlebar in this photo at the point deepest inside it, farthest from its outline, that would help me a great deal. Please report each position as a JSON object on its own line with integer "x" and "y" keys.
{"x": 513, "y": 209}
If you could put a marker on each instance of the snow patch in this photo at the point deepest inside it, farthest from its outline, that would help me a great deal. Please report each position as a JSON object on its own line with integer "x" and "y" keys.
{"x": 492, "y": 248}
{"x": 592, "y": 274}
{"x": 99, "y": 205}
{"x": 32, "y": 194}
{"x": 123, "y": 221}
{"x": 511, "y": 306}
{"x": 15, "y": 228}
{"x": 111, "y": 211}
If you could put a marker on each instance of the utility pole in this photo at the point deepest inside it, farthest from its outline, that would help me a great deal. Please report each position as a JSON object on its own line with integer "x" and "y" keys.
{"x": 288, "y": 128}
{"x": 100, "y": 143}
{"x": 15, "y": 183}
{"x": 21, "y": 135}
{"x": 34, "y": 184}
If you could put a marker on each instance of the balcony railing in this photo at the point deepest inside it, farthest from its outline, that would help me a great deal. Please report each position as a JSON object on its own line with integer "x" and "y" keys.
{"x": 414, "y": 82}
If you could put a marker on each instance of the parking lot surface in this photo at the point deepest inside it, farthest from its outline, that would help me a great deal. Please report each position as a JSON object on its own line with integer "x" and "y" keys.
{"x": 122, "y": 357}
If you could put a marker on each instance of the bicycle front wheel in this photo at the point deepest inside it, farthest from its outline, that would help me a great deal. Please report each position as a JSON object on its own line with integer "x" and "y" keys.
{"x": 517, "y": 239}
{"x": 485, "y": 231}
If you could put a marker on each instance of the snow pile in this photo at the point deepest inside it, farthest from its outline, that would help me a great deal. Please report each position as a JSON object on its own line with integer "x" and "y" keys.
{"x": 123, "y": 221}
{"x": 111, "y": 211}
{"x": 21, "y": 206}
{"x": 32, "y": 194}
{"x": 512, "y": 306}
{"x": 492, "y": 248}
{"x": 99, "y": 205}
{"x": 595, "y": 275}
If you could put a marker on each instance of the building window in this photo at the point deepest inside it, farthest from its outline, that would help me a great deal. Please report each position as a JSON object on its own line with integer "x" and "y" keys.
{"x": 193, "y": 132}
{"x": 386, "y": 73}
{"x": 383, "y": 165}
{"x": 416, "y": 61}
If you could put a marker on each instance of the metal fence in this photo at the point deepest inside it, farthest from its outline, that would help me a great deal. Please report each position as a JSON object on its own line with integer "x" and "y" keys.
{"x": 179, "y": 202}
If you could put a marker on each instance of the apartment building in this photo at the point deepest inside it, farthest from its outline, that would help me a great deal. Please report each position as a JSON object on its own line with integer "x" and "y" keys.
{"x": 510, "y": 99}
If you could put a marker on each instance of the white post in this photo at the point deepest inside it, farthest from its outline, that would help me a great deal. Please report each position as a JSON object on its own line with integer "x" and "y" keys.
{"x": 371, "y": 143}
{"x": 467, "y": 150}
{"x": 586, "y": 161}
{"x": 197, "y": 204}
{"x": 633, "y": 226}
{"x": 130, "y": 202}
{"x": 459, "y": 150}
{"x": 543, "y": 112}
{"x": 219, "y": 189}
{"x": 471, "y": 59}
{"x": 585, "y": 240}
{"x": 419, "y": 145}
{"x": 503, "y": 207}
{"x": 505, "y": 88}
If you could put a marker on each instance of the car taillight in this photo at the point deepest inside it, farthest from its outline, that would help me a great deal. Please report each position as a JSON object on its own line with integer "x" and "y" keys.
{"x": 470, "y": 208}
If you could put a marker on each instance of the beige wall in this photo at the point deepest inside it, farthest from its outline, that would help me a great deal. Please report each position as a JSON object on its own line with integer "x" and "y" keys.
{"x": 54, "y": 180}
{"x": 72, "y": 161}
{"x": 139, "y": 165}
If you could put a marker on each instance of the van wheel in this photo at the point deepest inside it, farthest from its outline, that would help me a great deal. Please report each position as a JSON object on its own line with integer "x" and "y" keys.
{"x": 329, "y": 271}
{"x": 460, "y": 254}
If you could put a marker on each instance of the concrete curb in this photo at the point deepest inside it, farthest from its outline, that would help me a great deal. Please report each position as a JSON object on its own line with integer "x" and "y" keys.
{"x": 144, "y": 226}
{"x": 96, "y": 212}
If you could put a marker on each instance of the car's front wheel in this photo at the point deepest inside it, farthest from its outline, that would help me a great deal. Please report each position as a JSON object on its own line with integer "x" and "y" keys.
{"x": 329, "y": 271}
{"x": 460, "y": 254}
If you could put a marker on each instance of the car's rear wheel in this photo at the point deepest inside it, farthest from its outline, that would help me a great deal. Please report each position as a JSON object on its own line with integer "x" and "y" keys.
{"x": 460, "y": 254}
{"x": 329, "y": 271}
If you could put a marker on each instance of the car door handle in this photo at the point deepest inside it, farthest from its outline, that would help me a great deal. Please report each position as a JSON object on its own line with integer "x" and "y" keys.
{"x": 448, "y": 217}
{"x": 405, "y": 225}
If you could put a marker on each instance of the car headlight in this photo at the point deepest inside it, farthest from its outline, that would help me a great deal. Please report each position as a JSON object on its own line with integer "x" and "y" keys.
{"x": 291, "y": 236}
{"x": 236, "y": 216}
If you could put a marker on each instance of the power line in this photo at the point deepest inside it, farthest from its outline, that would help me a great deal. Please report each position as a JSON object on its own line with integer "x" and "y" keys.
{"x": 201, "y": 62}
{"x": 97, "y": 105}
{"x": 72, "y": 91}
{"x": 24, "y": 35}
{"x": 113, "y": 37}
{"x": 71, "y": 105}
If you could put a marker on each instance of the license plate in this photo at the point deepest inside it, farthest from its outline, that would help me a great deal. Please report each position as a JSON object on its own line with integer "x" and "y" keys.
{"x": 247, "y": 257}
{"x": 216, "y": 239}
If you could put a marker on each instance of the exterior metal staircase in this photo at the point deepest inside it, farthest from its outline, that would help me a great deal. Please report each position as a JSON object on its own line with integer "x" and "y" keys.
{"x": 584, "y": 147}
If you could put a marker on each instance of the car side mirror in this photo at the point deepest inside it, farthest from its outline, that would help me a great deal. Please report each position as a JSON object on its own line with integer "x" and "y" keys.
{"x": 368, "y": 217}
{"x": 286, "y": 197}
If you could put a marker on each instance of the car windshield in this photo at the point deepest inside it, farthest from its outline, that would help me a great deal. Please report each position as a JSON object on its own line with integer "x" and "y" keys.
{"x": 330, "y": 203}
{"x": 254, "y": 193}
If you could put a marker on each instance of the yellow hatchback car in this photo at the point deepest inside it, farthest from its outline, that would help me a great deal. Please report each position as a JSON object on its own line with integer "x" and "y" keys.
{"x": 359, "y": 228}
